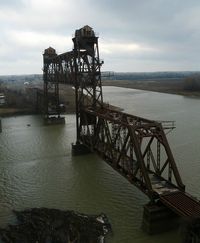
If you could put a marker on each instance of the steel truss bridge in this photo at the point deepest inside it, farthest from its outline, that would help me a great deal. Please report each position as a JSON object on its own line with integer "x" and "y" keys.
{"x": 135, "y": 147}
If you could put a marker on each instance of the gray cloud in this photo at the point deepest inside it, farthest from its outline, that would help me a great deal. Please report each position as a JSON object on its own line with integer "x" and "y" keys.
{"x": 11, "y": 3}
{"x": 134, "y": 35}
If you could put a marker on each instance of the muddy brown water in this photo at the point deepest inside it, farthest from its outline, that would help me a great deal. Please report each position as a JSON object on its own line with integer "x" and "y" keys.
{"x": 38, "y": 170}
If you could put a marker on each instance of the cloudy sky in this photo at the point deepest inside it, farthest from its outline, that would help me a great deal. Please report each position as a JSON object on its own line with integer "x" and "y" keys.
{"x": 134, "y": 35}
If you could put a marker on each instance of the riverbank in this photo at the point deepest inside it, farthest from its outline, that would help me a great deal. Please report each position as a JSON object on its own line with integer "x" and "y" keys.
{"x": 170, "y": 86}
{"x": 7, "y": 112}
{"x": 67, "y": 93}
{"x": 67, "y": 98}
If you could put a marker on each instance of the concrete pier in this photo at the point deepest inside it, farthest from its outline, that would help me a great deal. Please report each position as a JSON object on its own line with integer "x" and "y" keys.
{"x": 80, "y": 149}
{"x": 0, "y": 125}
{"x": 54, "y": 120}
{"x": 158, "y": 219}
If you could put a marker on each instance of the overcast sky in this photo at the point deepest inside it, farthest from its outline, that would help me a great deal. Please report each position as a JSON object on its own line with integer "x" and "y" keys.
{"x": 134, "y": 35}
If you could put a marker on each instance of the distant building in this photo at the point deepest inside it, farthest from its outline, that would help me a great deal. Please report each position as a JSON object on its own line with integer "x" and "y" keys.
{"x": 2, "y": 99}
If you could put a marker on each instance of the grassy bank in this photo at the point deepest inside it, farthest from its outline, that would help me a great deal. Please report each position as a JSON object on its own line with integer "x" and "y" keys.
{"x": 5, "y": 112}
{"x": 171, "y": 86}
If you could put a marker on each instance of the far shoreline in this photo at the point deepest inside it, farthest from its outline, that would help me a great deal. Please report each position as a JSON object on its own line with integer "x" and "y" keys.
{"x": 157, "y": 86}
{"x": 166, "y": 86}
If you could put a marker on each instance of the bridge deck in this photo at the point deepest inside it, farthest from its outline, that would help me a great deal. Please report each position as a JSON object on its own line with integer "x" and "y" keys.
{"x": 182, "y": 203}
{"x": 178, "y": 201}
{"x": 169, "y": 193}
{"x": 161, "y": 186}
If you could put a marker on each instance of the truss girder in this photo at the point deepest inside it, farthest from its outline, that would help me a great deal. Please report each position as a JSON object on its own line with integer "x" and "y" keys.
{"x": 132, "y": 146}
{"x": 135, "y": 147}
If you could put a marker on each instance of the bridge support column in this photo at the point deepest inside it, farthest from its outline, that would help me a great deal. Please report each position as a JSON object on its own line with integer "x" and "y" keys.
{"x": 159, "y": 219}
{"x": 79, "y": 149}
{"x": 0, "y": 126}
{"x": 54, "y": 120}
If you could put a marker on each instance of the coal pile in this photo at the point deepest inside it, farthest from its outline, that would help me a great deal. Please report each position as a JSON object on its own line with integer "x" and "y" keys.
{"x": 43, "y": 225}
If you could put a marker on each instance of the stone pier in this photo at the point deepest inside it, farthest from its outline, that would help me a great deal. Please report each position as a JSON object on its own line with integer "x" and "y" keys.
{"x": 79, "y": 149}
{"x": 54, "y": 120}
{"x": 0, "y": 125}
{"x": 158, "y": 219}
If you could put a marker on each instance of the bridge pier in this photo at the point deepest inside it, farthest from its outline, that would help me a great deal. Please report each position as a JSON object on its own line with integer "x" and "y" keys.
{"x": 80, "y": 149}
{"x": 158, "y": 219}
{"x": 0, "y": 126}
{"x": 54, "y": 120}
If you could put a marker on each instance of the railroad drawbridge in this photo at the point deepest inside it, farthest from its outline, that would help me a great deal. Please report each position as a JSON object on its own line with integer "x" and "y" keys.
{"x": 135, "y": 147}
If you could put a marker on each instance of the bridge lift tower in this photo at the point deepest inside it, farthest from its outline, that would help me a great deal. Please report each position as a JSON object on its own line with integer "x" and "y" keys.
{"x": 87, "y": 84}
{"x": 51, "y": 103}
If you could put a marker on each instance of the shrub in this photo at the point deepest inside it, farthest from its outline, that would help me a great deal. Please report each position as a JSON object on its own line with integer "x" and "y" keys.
{"x": 192, "y": 83}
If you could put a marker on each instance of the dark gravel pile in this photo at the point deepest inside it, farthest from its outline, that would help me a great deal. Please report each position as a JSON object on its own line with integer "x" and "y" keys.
{"x": 42, "y": 225}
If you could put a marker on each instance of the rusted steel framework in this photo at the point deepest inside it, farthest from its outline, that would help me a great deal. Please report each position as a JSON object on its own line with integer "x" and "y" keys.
{"x": 182, "y": 203}
{"x": 51, "y": 84}
{"x": 87, "y": 78}
{"x": 80, "y": 68}
{"x": 135, "y": 147}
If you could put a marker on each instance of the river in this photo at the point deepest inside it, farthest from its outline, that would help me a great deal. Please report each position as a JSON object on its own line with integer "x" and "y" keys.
{"x": 37, "y": 169}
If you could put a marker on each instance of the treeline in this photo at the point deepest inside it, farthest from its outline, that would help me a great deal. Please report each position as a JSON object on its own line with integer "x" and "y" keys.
{"x": 189, "y": 80}
{"x": 152, "y": 75}
{"x": 20, "y": 98}
{"x": 38, "y": 78}
{"x": 192, "y": 83}
{"x": 21, "y": 78}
